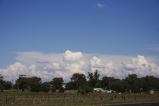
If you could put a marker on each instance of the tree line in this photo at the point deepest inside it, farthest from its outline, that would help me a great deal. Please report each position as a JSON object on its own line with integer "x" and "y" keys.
{"x": 83, "y": 83}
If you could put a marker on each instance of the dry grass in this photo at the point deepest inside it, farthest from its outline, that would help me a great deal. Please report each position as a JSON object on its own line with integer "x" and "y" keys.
{"x": 66, "y": 99}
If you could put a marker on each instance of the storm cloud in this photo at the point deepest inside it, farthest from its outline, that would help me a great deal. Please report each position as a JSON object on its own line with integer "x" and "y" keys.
{"x": 50, "y": 65}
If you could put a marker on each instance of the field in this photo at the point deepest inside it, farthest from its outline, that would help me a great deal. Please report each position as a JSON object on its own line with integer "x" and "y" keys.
{"x": 67, "y": 99}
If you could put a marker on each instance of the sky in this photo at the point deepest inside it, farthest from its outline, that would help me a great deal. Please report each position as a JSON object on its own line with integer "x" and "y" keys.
{"x": 100, "y": 29}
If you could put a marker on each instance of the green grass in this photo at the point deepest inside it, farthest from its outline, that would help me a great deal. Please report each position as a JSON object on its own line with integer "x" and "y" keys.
{"x": 67, "y": 99}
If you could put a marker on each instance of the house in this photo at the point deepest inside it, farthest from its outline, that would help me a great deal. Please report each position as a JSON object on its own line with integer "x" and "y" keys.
{"x": 102, "y": 90}
{"x": 151, "y": 91}
{"x": 110, "y": 91}
{"x": 99, "y": 90}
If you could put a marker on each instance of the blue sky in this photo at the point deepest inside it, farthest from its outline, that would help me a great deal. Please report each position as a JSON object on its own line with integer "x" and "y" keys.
{"x": 119, "y": 27}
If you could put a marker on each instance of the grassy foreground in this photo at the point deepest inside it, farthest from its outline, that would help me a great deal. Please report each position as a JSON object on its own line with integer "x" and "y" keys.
{"x": 67, "y": 99}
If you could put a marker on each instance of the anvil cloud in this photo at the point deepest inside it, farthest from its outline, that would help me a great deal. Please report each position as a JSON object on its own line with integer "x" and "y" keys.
{"x": 48, "y": 66}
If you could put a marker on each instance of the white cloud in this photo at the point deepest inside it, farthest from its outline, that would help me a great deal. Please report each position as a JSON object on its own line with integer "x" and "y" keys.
{"x": 13, "y": 71}
{"x": 48, "y": 66}
{"x": 100, "y": 5}
{"x": 96, "y": 62}
{"x": 53, "y": 65}
{"x": 141, "y": 66}
{"x": 110, "y": 66}
{"x": 72, "y": 56}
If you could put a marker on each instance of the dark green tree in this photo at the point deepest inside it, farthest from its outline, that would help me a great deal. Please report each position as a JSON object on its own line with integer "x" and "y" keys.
{"x": 57, "y": 84}
{"x": 1, "y": 83}
{"x": 22, "y": 83}
{"x": 71, "y": 86}
{"x": 93, "y": 79}
{"x": 105, "y": 82}
{"x": 45, "y": 87}
{"x": 34, "y": 83}
{"x": 79, "y": 80}
{"x": 131, "y": 79}
{"x": 28, "y": 83}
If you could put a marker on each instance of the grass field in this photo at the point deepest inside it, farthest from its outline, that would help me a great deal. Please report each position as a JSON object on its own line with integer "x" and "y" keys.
{"x": 67, "y": 99}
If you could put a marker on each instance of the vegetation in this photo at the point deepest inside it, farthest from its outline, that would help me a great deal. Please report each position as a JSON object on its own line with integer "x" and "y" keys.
{"x": 72, "y": 99}
{"x": 84, "y": 84}
{"x": 32, "y": 91}
{"x": 4, "y": 84}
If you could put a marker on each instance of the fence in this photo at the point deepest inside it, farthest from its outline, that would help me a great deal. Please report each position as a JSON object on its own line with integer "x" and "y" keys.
{"x": 66, "y": 99}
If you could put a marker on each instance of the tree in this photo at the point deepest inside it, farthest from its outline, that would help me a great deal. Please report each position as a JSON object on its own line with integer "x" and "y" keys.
{"x": 4, "y": 84}
{"x": 28, "y": 83}
{"x": 34, "y": 83}
{"x": 93, "y": 79}
{"x": 70, "y": 86}
{"x": 131, "y": 79}
{"x": 57, "y": 83}
{"x": 1, "y": 77}
{"x": 104, "y": 82}
{"x": 45, "y": 87}
{"x": 22, "y": 83}
{"x": 1, "y": 83}
{"x": 7, "y": 85}
{"x": 79, "y": 80}
{"x": 111, "y": 83}
{"x": 150, "y": 82}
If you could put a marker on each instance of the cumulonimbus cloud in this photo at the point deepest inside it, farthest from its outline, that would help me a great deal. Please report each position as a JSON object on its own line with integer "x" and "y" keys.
{"x": 48, "y": 66}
